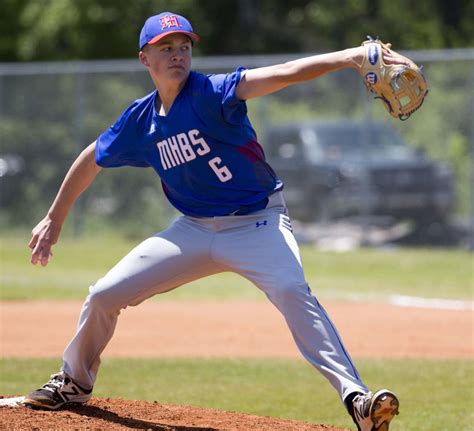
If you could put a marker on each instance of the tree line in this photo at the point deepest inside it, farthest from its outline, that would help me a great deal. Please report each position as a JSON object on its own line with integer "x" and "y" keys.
{"x": 39, "y": 30}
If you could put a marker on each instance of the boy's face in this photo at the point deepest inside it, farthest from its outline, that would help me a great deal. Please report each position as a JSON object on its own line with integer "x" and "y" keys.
{"x": 169, "y": 59}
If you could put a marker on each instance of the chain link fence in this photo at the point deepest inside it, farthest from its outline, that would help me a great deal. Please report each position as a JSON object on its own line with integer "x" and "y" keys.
{"x": 49, "y": 112}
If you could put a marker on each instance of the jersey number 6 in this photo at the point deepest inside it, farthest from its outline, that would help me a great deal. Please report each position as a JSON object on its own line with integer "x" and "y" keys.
{"x": 222, "y": 172}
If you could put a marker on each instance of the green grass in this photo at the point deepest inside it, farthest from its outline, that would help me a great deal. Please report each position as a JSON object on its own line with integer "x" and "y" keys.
{"x": 434, "y": 395}
{"x": 364, "y": 274}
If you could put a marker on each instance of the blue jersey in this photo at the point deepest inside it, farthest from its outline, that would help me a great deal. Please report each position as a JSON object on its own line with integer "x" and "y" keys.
{"x": 205, "y": 150}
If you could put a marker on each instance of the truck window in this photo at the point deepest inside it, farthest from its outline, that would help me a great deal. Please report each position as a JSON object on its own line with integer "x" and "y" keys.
{"x": 285, "y": 145}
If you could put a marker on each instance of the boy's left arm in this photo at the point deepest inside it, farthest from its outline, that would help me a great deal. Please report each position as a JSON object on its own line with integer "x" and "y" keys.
{"x": 266, "y": 80}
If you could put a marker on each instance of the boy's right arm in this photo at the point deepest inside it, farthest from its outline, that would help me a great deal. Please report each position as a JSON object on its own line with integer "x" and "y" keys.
{"x": 79, "y": 177}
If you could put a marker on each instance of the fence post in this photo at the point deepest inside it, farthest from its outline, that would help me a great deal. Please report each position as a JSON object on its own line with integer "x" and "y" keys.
{"x": 366, "y": 205}
{"x": 78, "y": 136}
{"x": 471, "y": 174}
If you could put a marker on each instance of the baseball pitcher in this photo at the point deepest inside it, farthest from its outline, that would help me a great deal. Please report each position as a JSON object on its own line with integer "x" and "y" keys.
{"x": 193, "y": 130}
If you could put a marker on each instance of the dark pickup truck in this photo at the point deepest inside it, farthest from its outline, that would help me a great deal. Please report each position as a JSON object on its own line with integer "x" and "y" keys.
{"x": 335, "y": 169}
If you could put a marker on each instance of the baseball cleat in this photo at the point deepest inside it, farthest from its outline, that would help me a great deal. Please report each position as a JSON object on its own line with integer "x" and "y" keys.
{"x": 60, "y": 390}
{"x": 374, "y": 412}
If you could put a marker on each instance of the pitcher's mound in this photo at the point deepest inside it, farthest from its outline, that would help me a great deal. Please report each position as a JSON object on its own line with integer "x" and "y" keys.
{"x": 107, "y": 414}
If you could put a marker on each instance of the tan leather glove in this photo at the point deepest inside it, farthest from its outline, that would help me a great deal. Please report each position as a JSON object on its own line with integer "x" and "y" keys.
{"x": 402, "y": 87}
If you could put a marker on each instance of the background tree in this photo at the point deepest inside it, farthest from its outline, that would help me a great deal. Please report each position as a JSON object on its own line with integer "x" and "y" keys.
{"x": 33, "y": 30}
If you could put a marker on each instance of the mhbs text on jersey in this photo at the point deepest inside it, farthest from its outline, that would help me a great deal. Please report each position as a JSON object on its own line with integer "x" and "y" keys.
{"x": 183, "y": 147}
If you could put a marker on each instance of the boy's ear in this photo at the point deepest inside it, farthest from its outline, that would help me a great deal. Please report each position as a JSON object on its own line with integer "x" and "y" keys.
{"x": 143, "y": 58}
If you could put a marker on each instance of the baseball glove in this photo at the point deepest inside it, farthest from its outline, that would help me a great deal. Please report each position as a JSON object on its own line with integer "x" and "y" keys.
{"x": 402, "y": 87}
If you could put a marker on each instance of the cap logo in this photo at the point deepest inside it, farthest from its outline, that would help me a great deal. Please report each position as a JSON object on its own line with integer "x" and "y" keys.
{"x": 168, "y": 21}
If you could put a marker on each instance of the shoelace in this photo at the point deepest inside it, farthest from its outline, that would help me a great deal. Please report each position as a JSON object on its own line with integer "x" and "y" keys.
{"x": 55, "y": 382}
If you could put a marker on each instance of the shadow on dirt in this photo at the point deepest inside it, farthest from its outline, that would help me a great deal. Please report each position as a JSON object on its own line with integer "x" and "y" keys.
{"x": 129, "y": 421}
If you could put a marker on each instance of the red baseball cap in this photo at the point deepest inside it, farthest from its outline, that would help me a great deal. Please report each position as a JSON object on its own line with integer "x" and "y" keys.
{"x": 158, "y": 26}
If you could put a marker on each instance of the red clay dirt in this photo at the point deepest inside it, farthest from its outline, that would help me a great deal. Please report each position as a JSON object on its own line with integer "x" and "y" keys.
{"x": 239, "y": 329}
{"x": 116, "y": 414}
{"x": 211, "y": 329}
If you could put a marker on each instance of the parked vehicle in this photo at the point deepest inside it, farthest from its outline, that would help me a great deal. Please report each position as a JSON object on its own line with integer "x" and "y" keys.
{"x": 344, "y": 168}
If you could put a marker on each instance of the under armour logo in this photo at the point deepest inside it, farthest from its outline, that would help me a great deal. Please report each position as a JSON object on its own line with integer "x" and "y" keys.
{"x": 168, "y": 21}
{"x": 263, "y": 223}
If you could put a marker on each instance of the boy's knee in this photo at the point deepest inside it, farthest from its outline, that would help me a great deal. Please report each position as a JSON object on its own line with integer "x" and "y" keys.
{"x": 103, "y": 298}
{"x": 287, "y": 292}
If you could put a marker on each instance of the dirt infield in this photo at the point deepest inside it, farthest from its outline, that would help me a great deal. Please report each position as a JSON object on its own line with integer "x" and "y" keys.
{"x": 238, "y": 329}
{"x": 109, "y": 414}
{"x": 211, "y": 329}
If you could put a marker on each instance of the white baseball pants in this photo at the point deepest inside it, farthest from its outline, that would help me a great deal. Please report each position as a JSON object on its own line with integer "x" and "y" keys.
{"x": 259, "y": 246}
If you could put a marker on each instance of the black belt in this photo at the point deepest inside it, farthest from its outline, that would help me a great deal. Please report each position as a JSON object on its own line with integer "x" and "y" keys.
{"x": 247, "y": 209}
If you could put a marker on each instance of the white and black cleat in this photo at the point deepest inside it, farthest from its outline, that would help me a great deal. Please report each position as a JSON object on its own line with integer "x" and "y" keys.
{"x": 57, "y": 392}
